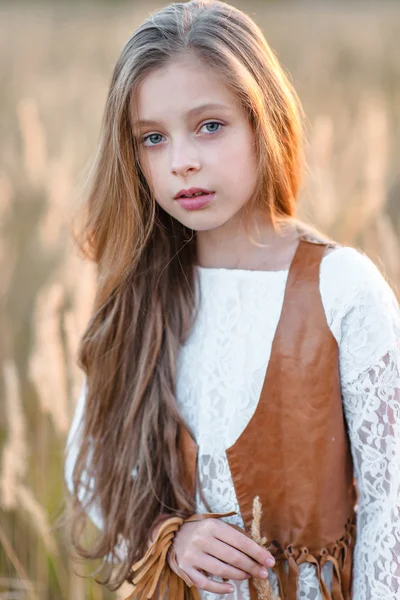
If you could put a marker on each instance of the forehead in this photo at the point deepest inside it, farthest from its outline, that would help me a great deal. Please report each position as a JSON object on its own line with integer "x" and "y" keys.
{"x": 179, "y": 86}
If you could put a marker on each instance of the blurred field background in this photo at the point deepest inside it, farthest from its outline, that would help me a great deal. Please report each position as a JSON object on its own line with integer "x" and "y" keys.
{"x": 55, "y": 65}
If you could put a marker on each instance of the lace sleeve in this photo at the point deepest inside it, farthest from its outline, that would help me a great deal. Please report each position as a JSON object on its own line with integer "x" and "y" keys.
{"x": 365, "y": 318}
{"x": 372, "y": 408}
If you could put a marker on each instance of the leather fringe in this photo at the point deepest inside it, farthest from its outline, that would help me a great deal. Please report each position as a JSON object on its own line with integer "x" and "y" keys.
{"x": 339, "y": 554}
{"x": 157, "y": 576}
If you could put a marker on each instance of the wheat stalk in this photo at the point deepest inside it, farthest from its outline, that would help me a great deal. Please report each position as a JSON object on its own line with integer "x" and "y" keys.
{"x": 7, "y": 251}
{"x": 34, "y": 140}
{"x": 12, "y": 556}
{"x": 263, "y": 586}
{"x": 47, "y": 364}
{"x": 15, "y": 452}
{"x": 322, "y": 178}
{"x": 38, "y": 517}
{"x": 13, "y": 492}
{"x": 53, "y": 227}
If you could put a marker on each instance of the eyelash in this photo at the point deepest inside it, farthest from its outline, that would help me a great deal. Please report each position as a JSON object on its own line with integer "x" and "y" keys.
{"x": 204, "y": 124}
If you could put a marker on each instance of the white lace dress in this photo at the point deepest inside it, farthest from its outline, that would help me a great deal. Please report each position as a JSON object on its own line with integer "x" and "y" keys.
{"x": 220, "y": 372}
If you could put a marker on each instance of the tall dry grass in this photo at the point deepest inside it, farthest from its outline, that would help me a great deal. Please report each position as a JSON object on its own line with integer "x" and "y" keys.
{"x": 55, "y": 65}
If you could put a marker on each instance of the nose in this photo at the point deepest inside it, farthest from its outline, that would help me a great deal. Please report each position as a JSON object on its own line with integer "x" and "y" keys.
{"x": 184, "y": 159}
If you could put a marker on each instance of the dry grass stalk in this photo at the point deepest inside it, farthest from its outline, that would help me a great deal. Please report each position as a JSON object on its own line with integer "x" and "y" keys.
{"x": 53, "y": 224}
{"x": 256, "y": 523}
{"x": 384, "y": 248}
{"x": 19, "y": 569}
{"x": 14, "y": 494}
{"x": 74, "y": 372}
{"x": 34, "y": 140}
{"x": 263, "y": 587}
{"x": 80, "y": 293}
{"x": 390, "y": 245}
{"x": 38, "y": 517}
{"x": 47, "y": 363}
{"x": 15, "y": 452}
{"x": 82, "y": 289}
{"x": 7, "y": 251}
{"x": 370, "y": 195}
{"x": 6, "y": 195}
{"x": 77, "y": 584}
{"x": 325, "y": 206}
{"x": 376, "y": 165}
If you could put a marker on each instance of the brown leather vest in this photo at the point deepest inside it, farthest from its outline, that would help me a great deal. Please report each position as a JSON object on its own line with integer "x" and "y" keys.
{"x": 294, "y": 453}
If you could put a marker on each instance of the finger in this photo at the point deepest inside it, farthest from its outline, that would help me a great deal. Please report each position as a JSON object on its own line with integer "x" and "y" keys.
{"x": 204, "y": 583}
{"x": 225, "y": 533}
{"x": 236, "y": 558}
{"x": 219, "y": 568}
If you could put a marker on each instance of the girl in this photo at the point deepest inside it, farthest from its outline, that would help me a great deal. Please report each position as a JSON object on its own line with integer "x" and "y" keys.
{"x": 232, "y": 351}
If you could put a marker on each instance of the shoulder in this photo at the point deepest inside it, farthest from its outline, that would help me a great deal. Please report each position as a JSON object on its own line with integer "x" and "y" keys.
{"x": 349, "y": 275}
{"x": 361, "y": 306}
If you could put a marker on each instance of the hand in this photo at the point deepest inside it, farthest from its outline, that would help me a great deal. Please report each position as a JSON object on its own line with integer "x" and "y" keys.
{"x": 220, "y": 549}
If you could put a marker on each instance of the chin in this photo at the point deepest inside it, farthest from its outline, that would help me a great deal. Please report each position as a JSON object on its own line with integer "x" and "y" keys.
{"x": 202, "y": 222}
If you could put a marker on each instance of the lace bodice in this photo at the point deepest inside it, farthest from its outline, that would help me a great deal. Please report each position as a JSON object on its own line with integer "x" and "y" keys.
{"x": 220, "y": 373}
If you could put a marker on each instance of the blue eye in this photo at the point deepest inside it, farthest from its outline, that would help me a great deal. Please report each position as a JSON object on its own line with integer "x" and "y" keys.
{"x": 213, "y": 123}
{"x": 152, "y": 135}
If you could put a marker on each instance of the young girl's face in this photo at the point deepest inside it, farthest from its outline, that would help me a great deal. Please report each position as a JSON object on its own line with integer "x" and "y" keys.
{"x": 194, "y": 134}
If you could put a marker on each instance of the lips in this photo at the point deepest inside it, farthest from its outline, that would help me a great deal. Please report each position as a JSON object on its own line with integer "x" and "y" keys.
{"x": 195, "y": 202}
{"x": 192, "y": 192}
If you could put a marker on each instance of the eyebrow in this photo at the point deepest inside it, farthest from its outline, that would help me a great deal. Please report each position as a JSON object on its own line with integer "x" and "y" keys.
{"x": 190, "y": 113}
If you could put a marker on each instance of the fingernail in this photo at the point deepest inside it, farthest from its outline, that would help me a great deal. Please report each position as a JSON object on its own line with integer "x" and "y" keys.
{"x": 231, "y": 589}
{"x": 263, "y": 573}
{"x": 270, "y": 562}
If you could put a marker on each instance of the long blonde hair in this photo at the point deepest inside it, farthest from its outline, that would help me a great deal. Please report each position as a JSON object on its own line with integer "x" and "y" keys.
{"x": 144, "y": 306}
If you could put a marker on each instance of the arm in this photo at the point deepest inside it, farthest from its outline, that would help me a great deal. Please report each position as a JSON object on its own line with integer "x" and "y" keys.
{"x": 366, "y": 318}
{"x": 372, "y": 406}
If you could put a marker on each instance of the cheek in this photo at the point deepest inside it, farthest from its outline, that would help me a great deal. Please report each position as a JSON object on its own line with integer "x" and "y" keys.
{"x": 241, "y": 167}
{"x": 154, "y": 170}
{"x": 144, "y": 164}
{"x": 149, "y": 171}
{"x": 240, "y": 154}
{"x": 155, "y": 179}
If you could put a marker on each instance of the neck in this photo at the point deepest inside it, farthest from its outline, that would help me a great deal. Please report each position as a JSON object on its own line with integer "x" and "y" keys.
{"x": 261, "y": 247}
